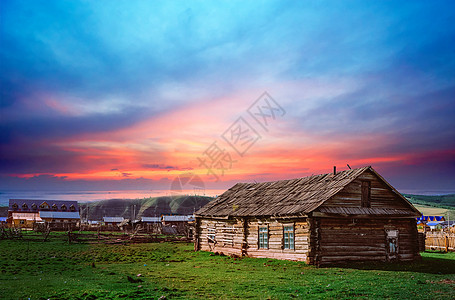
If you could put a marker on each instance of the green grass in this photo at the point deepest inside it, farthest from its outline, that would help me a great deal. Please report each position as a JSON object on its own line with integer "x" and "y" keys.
{"x": 58, "y": 270}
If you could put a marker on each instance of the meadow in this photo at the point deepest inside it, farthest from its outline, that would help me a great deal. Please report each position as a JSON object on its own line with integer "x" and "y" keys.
{"x": 55, "y": 269}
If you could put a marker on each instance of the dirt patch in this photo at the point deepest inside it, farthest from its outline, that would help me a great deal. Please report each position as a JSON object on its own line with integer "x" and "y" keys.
{"x": 447, "y": 281}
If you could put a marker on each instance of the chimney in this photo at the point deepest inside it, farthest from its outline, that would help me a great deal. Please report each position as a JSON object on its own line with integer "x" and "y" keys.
{"x": 334, "y": 170}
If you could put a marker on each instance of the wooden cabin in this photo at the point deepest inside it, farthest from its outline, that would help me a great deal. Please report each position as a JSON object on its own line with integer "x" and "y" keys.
{"x": 353, "y": 215}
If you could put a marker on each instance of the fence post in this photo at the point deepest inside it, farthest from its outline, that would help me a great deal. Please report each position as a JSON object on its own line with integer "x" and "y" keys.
{"x": 447, "y": 243}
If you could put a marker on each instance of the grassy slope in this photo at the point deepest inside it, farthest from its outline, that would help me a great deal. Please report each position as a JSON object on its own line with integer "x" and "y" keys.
{"x": 57, "y": 270}
{"x": 434, "y": 205}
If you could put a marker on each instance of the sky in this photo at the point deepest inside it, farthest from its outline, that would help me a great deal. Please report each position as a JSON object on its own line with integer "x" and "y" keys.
{"x": 112, "y": 95}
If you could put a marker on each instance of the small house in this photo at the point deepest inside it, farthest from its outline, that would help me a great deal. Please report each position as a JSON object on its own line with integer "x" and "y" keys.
{"x": 149, "y": 225}
{"x": 60, "y": 220}
{"x": 179, "y": 223}
{"x": 113, "y": 221}
{"x": 353, "y": 215}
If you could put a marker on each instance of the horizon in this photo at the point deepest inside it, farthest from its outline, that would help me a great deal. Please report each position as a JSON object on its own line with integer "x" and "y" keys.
{"x": 99, "y": 96}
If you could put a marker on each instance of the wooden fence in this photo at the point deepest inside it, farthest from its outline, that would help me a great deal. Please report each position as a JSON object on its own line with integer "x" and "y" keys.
{"x": 441, "y": 241}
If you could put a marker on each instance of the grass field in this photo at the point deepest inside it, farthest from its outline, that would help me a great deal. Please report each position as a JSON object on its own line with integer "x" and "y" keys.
{"x": 435, "y": 211}
{"x": 58, "y": 270}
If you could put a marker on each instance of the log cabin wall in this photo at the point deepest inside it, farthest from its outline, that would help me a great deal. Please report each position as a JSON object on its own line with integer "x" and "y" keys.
{"x": 275, "y": 247}
{"x": 241, "y": 237}
{"x": 381, "y": 195}
{"x": 342, "y": 240}
{"x": 226, "y": 236}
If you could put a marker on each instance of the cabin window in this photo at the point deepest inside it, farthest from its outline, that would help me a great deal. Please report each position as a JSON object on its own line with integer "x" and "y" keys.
{"x": 44, "y": 205}
{"x": 288, "y": 237}
{"x": 263, "y": 238}
{"x": 72, "y": 208}
{"x": 366, "y": 194}
{"x": 393, "y": 246}
{"x": 228, "y": 233}
{"x": 15, "y": 206}
{"x": 63, "y": 207}
{"x": 54, "y": 207}
{"x": 24, "y": 206}
{"x": 392, "y": 243}
{"x": 34, "y": 206}
{"x": 211, "y": 235}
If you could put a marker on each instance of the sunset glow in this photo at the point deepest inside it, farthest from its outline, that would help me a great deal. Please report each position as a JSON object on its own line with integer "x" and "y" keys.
{"x": 132, "y": 94}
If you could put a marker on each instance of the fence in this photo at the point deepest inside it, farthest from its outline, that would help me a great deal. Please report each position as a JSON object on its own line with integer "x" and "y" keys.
{"x": 441, "y": 241}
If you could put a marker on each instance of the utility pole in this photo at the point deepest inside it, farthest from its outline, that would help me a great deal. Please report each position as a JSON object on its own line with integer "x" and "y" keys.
{"x": 448, "y": 220}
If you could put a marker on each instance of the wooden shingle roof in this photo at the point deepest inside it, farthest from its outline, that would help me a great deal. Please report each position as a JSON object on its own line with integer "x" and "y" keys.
{"x": 280, "y": 198}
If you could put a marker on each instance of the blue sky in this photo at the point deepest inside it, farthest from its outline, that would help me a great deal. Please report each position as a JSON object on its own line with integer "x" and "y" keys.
{"x": 88, "y": 87}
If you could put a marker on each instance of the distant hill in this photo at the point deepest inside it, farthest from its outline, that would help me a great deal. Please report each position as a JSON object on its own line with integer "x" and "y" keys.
{"x": 435, "y": 205}
{"x": 148, "y": 207}
{"x": 183, "y": 205}
{"x": 440, "y": 201}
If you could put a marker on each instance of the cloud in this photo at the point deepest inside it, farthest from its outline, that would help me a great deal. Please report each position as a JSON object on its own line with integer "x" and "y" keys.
{"x": 133, "y": 89}
{"x": 58, "y": 183}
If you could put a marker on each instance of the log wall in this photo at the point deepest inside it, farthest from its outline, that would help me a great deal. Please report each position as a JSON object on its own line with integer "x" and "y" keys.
{"x": 241, "y": 237}
{"x": 344, "y": 240}
{"x": 318, "y": 241}
{"x": 276, "y": 243}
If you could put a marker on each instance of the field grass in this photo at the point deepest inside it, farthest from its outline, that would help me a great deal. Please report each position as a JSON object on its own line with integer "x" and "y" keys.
{"x": 58, "y": 270}
{"x": 435, "y": 211}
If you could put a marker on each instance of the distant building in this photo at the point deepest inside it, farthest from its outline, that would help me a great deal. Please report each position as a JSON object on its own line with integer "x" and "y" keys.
{"x": 176, "y": 219}
{"x": 113, "y": 221}
{"x": 25, "y": 213}
{"x": 430, "y": 222}
{"x": 177, "y": 224}
{"x": 151, "y": 220}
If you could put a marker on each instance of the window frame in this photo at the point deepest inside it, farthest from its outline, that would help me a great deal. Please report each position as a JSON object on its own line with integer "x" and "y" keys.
{"x": 228, "y": 235}
{"x": 263, "y": 243}
{"x": 211, "y": 235}
{"x": 290, "y": 239}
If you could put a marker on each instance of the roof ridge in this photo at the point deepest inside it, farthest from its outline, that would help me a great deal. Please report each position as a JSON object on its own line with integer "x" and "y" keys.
{"x": 299, "y": 178}
{"x": 301, "y": 195}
